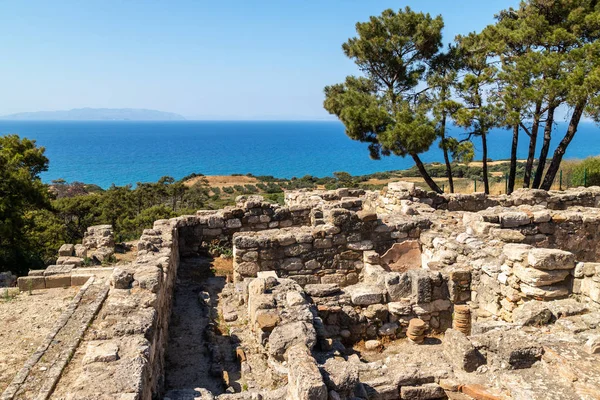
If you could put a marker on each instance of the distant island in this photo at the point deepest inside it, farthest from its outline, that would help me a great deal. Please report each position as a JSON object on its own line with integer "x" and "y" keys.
{"x": 96, "y": 114}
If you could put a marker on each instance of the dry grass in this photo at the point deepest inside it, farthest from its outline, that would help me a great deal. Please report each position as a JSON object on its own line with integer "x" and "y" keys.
{"x": 224, "y": 180}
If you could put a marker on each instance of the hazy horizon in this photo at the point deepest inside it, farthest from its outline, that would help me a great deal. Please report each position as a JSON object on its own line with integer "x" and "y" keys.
{"x": 267, "y": 60}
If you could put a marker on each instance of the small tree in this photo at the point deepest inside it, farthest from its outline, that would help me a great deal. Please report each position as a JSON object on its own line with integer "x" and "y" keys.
{"x": 479, "y": 113}
{"x": 383, "y": 108}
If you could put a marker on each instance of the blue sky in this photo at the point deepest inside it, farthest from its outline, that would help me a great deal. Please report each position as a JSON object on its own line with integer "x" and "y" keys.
{"x": 267, "y": 59}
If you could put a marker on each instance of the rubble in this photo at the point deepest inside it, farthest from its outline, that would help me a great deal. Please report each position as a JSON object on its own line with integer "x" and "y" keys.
{"x": 353, "y": 294}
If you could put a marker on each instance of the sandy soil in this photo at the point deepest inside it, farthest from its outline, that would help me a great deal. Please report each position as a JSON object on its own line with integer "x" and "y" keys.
{"x": 24, "y": 322}
{"x": 224, "y": 180}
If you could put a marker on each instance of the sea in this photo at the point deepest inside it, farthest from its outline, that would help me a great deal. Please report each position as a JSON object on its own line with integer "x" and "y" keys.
{"x": 123, "y": 152}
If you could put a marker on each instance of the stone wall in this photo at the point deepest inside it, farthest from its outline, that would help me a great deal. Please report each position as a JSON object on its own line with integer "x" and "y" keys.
{"x": 251, "y": 213}
{"x": 576, "y": 229}
{"x": 399, "y": 195}
{"x": 330, "y": 251}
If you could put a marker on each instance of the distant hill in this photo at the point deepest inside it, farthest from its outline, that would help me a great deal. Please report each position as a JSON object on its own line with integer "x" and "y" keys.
{"x": 96, "y": 114}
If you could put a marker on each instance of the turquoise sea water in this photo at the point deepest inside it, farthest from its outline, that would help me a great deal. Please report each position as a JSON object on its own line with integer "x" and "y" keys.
{"x": 128, "y": 152}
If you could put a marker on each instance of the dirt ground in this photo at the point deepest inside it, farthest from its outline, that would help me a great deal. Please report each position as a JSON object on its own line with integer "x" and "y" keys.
{"x": 24, "y": 321}
{"x": 224, "y": 180}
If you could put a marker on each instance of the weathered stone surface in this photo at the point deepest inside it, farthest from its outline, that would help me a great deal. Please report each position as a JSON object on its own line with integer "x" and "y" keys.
{"x": 121, "y": 278}
{"x": 550, "y": 259}
{"x": 460, "y": 351}
{"x": 101, "y": 351}
{"x": 428, "y": 391}
{"x": 364, "y": 295}
{"x": 403, "y": 256}
{"x": 534, "y": 313}
{"x": 340, "y": 376}
{"x": 66, "y": 250}
{"x": 544, "y": 292}
{"x": 285, "y": 336}
{"x": 398, "y": 286}
{"x": 538, "y": 277}
{"x": 304, "y": 379}
{"x": 514, "y": 219}
{"x": 322, "y": 290}
{"x": 57, "y": 281}
{"x": 27, "y": 283}
{"x": 516, "y": 251}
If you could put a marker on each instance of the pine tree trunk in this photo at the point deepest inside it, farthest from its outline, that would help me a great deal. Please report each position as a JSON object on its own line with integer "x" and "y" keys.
{"x": 486, "y": 184}
{"x": 513, "y": 160}
{"x": 532, "y": 143}
{"x": 425, "y": 174}
{"x": 562, "y": 146}
{"x": 539, "y": 172}
{"x": 446, "y": 158}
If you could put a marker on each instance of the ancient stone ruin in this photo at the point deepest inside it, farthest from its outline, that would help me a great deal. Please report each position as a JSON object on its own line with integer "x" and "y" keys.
{"x": 344, "y": 294}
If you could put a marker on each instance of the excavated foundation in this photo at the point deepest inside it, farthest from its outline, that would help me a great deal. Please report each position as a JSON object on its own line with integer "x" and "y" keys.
{"x": 351, "y": 294}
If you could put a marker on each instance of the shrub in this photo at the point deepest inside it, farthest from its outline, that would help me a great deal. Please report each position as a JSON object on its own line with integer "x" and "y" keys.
{"x": 589, "y": 166}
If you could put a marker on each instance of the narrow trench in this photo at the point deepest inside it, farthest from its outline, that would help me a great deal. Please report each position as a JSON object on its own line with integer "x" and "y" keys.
{"x": 197, "y": 353}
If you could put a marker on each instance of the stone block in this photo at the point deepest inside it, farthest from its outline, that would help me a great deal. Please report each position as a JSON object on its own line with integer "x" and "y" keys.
{"x": 74, "y": 261}
{"x": 57, "y": 281}
{"x": 101, "y": 351}
{"x": 544, "y": 292}
{"x": 80, "y": 251}
{"x": 66, "y": 250}
{"x": 79, "y": 280}
{"x": 64, "y": 269}
{"x": 322, "y": 290}
{"x": 460, "y": 351}
{"x": 537, "y": 277}
{"x": 516, "y": 251}
{"x": 428, "y": 391}
{"x": 513, "y": 219}
{"x": 550, "y": 259}
{"x": 304, "y": 378}
{"x": 364, "y": 295}
{"x": 27, "y": 283}
{"x": 286, "y": 336}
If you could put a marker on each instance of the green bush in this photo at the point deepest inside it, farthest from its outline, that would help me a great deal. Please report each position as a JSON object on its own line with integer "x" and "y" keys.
{"x": 589, "y": 166}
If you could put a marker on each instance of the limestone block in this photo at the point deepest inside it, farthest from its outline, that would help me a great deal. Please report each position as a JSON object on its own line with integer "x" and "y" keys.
{"x": 66, "y": 250}
{"x": 304, "y": 378}
{"x": 101, "y": 351}
{"x": 507, "y": 235}
{"x": 292, "y": 264}
{"x": 538, "y": 277}
{"x": 400, "y": 307}
{"x": 74, "y": 261}
{"x": 80, "y": 251}
{"x": 246, "y": 269}
{"x": 79, "y": 280}
{"x": 31, "y": 283}
{"x": 64, "y": 269}
{"x": 233, "y": 223}
{"x": 589, "y": 288}
{"x": 516, "y": 251}
{"x": 294, "y": 299}
{"x": 364, "y": 295}
{"x": 550, "y": 259}
{"x": 427, "y": 391}
{"x": 513, "y": 219}
{"x": 460, "y": 351}
{"x": 544, "y": 292}
{"x": 266, "y": 274}
{"x": 362, "y": 245}
{"x": 340, "y": 376}
{"x": 421, "y": 285}
{"x": 266, "y": 319}
{"x": 57, "y": 281}
{"x": 398, "y": 286}
{"x": 121, "y": 278}
{"x": 322, "y": 290}
{"x": 286, "y": 336}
